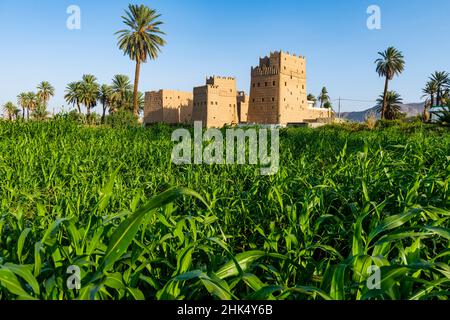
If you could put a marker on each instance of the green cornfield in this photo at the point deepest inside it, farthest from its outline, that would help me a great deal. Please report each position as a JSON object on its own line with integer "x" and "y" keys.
{"x": 346, "y": 205}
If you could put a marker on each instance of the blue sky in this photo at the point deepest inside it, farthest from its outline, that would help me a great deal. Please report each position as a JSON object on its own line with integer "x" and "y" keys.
{"x": 226, "y": 38}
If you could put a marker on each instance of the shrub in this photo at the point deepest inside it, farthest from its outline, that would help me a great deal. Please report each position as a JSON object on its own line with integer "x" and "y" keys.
{"x": 71, "y": 116}
{"x": 122, "y": 119}
{"x": 371, "y": 120}
{"x": 94, "y": 119}
{"x": 383, "y": 124}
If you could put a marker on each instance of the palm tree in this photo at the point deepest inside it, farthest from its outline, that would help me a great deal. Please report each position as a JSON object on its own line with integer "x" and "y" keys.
{"x": 45, "y": 92}
{"x": 141, "y": 41}
{"x": 390, "y": 103}
{"x": 312, "y": 98}
{"x": 324, "y": 97}
{"x": 31, "y": 101}
{"x": 127, "y": 103}
{"x": 390, "y": 64}
{"x": 106, "y": 93}
{"x": 442, "y": 82}
{"x": 22, "y": 102}
{"x": 10, "y": 110}
{"x": 429, "y": 91}
{"x": 120, "y": 86}
{"x": 89, "y": 91}
{"x": 73, "y": 94}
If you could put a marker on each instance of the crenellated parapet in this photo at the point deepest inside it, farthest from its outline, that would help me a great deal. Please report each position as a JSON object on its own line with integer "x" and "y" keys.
{"x": 264, "y": 71}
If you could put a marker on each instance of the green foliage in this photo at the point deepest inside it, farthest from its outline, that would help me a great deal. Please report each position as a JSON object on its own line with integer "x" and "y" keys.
{"x": 111, "y": 202}
{"x": 122, "y": 119}
{"x": 40, "y": 113}
{"x": 393, "y": 105}
{"x": 443, "y": 114}
{"x": 71, "y": 117}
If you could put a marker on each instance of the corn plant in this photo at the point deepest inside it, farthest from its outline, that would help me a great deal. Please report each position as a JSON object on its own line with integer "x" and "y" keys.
{"x": 111, "y": 203}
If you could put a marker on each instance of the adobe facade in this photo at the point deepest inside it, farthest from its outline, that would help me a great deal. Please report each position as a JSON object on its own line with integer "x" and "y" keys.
{"x": 278, "y": 95}
{"x": 215, "y": 104}
{"x": 168, "y": 106}
{"x": 242, "y": 107}
{"x": 278, "y": 92}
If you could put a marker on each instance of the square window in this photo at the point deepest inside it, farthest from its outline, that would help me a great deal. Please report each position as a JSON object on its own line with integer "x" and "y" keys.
{"x": 274, "y": 83}
{"x": 273, "y": 99}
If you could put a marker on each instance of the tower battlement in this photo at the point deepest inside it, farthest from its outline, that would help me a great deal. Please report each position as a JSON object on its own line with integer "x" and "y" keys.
{"x": 278, "y": 90}
{"x": 264, "y": 71}
{"x": 215, "y": 103}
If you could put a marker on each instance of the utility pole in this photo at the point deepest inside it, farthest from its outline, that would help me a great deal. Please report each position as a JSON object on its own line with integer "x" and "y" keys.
{"x": 339, "y": 109}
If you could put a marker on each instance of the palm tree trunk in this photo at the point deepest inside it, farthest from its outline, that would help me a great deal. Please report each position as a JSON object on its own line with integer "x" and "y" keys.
{"x": 438, "y": 98}
{"x": 28, "y": 113}
{"x": 79, "y": 108}
{"x": 23, "y": 113}
{"x": 386, "y": 87}
{"x": 432, "y": 101}
{"x": 136, "y": 87}
{"x": 104, "y": 114}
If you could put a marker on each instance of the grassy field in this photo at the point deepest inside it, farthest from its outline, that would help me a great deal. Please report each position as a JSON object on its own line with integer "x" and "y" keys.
{"x": 111, "y": 202}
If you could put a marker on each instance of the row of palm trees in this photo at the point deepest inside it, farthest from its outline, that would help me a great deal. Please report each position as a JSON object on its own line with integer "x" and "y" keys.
{"x": 88, "y": 93}
{"x": 10, "y": 111}
{"x": 34, "y": 102}
{"x": 392, "y": 63}
{"x": 436, "y": 92}
{"x": 323, "y": 98}
{"x": 140, "y": 41}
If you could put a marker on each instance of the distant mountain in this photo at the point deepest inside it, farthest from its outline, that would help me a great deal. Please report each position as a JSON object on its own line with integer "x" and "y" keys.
{"x": 411, "y": 110}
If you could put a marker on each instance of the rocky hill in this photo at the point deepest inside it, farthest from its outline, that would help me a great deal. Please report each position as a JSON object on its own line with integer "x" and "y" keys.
{"x": 411, "y": 110}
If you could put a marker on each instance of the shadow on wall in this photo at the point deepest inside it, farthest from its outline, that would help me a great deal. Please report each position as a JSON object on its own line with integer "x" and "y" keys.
{"x": 181, "y": 114}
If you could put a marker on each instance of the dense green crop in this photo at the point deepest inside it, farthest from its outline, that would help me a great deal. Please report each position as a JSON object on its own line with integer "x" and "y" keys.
{"x": 111, "y": 202}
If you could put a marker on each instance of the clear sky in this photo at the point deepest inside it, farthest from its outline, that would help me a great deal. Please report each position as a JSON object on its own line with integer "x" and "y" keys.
{"x": 225, "y": 38}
